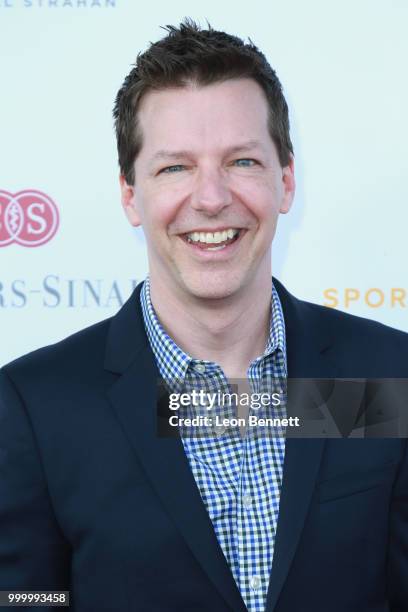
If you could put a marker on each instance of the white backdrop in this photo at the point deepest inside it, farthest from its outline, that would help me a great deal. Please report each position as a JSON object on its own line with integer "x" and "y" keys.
{"x": 343, "y": 67}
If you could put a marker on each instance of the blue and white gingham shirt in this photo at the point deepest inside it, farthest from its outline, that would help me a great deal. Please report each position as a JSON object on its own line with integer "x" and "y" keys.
{"x": 239, "y": 479}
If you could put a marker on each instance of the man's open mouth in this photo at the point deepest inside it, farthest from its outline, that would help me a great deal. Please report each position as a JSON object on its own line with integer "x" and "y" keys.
{"x": 213, "y": 241}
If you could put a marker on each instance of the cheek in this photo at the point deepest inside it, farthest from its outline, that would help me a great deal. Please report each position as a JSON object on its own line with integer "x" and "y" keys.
{"x": 260, "y": 195}
{"x": 172, "y": 201}
{"x": 263, "y": 207}
{"x": 158, "y": 210}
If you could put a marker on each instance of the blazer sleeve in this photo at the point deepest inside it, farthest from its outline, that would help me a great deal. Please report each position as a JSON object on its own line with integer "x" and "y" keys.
{"x": 33, "y": 552}
{"x": 398, "y": 541}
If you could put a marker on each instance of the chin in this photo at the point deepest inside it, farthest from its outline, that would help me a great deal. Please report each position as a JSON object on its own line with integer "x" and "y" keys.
{"x": 208, "y": 287}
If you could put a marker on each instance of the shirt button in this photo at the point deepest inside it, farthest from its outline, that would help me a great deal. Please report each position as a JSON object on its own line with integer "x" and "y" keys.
{"x": 247, "y": 501}
{"x": 219, "y": 429}
{"x": 200, "y": 368}
{"x": 255, "y": 583}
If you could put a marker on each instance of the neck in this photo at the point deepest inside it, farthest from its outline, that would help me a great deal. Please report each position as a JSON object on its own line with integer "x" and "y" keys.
{"x": 231, "y": 332}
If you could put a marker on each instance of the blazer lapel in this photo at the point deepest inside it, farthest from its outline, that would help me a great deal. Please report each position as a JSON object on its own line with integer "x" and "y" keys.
{"x": 134, "y": 399}
{"x": 307, "y": 348}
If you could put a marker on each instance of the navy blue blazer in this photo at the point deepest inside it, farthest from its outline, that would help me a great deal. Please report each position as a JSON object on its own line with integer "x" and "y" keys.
{"x": 92, "y": 501}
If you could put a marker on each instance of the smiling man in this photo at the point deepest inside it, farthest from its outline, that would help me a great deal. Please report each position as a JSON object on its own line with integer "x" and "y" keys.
{"x": 208, "y": 188}
{"x": 92, "y": 500}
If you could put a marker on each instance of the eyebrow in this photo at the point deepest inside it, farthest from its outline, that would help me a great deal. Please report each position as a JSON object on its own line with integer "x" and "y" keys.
{"x": 167, "y": 154}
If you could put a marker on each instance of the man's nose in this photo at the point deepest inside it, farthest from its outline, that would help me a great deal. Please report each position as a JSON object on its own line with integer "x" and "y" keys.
{"x": 211, "y": 192}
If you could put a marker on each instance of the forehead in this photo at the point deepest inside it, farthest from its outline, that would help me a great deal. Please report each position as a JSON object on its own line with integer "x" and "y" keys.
{"x": 197, "y": 116}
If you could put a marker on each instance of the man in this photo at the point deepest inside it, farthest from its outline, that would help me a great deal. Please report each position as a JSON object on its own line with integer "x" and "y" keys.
{"x": 92, "y": 500}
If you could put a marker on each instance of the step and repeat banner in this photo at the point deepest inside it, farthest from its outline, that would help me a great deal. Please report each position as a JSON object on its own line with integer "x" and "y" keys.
{"x": 68, "y": 257}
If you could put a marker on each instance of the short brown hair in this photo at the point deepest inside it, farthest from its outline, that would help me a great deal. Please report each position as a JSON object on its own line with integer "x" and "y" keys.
{"x": 189, "y": 54}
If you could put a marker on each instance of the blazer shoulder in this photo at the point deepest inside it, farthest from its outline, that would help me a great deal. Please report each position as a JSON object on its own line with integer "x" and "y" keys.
{"x": 365, "y": 336}
{"x": 341, "y": 326}
{"x": 79, "y": 352}
{"x": 353, "y": 323}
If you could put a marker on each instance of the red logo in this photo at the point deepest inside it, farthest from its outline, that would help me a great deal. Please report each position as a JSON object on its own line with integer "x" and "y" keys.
{"x": 29, "y": 218}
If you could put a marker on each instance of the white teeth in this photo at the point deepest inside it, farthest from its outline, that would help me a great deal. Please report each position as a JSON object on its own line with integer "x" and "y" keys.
{"x": 217, "y": 248}
{"x": 212, "y": 238}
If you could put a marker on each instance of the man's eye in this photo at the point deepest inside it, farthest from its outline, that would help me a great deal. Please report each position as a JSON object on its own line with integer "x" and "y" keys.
{"x": 244, "y": 163}
{"x": 171, "y": 169}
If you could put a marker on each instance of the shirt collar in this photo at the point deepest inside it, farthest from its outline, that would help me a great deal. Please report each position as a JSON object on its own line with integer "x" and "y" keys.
{"x": 173, "y": 362}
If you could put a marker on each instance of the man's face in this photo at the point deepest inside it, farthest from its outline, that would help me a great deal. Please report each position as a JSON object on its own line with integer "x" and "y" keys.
{"x": 208, "y": 188}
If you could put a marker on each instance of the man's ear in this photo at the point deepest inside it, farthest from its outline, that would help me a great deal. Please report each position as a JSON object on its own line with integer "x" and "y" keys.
{"x": 128, "y": 198}
{"x": 289, "y": 186}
